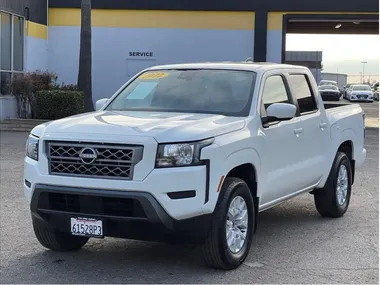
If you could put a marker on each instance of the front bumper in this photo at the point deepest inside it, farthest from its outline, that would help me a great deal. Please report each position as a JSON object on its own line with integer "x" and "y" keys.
{"x": 133, "y": 215}
{"x": 159, "y": 183}
{"x": 331, "y": 97}
{"x": 362, "y": 99}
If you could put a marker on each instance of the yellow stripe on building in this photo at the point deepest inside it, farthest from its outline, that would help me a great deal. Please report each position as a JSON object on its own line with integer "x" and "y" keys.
{"x": 156, "y": 19}
{"x": 275, "y": 18}
{"x": 36, "y": 30}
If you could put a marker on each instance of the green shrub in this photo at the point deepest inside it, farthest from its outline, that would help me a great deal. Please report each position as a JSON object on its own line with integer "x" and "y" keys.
{"x": 57, "y": 104}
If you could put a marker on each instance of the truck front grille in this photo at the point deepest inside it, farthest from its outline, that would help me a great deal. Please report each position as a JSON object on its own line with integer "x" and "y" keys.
{"x": 93, "y": 159}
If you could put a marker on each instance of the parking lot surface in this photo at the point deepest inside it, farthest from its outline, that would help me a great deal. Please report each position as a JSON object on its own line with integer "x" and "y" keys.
{"x": 293, "y": 243}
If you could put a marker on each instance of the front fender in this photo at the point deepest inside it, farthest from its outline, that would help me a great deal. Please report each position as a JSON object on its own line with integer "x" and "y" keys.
{"x": 243, "y": 156}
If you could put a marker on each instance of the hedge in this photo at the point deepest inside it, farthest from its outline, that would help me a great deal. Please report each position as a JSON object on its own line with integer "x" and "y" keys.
{"x": 57, "y": 104}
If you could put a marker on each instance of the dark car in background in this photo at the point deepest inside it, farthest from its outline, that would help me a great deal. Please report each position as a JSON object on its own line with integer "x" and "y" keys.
{"x": 329, "y": 92}
{"x": 375, "y": 89}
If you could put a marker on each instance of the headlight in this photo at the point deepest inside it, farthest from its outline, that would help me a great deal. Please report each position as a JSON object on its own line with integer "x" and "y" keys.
{"x": 180, "y": 154}
{"x": 32, "y": 147}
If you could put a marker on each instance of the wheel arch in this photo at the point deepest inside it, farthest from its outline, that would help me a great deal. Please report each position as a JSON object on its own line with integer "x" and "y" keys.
{"x": 245, "y": 165}
{"x": 341, "y": 142}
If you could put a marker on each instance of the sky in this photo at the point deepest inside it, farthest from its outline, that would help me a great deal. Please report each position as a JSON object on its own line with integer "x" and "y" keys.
{"x": 340, "y": 52}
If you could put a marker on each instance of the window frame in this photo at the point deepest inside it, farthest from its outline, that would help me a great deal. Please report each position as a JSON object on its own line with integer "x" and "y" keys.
{"x": 312, "y": 92}
{"x": 261, "y": 106}
{"x": 11, "y": 70}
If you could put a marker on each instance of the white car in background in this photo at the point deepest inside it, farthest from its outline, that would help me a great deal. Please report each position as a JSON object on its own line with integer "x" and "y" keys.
{"x": 360, "y": 92}
{"x": 327, "y": 82}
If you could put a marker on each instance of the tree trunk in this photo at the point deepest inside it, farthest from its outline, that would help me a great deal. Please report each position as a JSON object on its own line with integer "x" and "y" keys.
{"x": 85, "y": 56}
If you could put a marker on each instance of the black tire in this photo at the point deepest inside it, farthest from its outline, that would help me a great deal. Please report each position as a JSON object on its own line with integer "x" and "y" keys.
{"x": 326, "y": 198}
{"x": 56, "y": 240}
{"x": 215, "y": 248}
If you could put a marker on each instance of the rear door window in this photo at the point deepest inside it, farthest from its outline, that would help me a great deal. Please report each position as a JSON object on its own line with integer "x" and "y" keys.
{"x": 302, "y": 90}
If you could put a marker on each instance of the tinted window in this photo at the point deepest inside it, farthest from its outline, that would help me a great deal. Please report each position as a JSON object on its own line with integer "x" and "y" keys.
{"x": 226, "y": 92}
{"x": 18, "y": 43}
{"x": 328, "y": 87}
{"x": 274, "y": 92}
{"x": 5, "y": 33}
{"x": 301, "y": 89}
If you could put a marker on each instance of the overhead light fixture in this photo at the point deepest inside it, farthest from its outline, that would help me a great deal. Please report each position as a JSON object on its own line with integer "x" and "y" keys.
{"x": 338, "y": 26}
{"x": 356, "y": 22}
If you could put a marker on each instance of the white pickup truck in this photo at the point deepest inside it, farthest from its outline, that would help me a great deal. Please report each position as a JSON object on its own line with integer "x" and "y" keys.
{"x": 192, "y": 153}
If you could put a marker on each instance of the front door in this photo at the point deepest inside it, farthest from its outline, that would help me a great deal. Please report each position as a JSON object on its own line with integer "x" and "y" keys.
{"x": 279, "y": 144}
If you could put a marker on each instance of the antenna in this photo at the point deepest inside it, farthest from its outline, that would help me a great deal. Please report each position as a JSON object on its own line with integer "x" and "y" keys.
{"x": 249, "y": 59}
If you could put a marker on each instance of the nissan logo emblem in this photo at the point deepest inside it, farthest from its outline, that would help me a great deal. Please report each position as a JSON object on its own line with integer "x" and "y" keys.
{"x": 88, "y": 155}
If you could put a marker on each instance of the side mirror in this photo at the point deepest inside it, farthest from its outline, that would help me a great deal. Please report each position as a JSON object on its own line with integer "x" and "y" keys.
{"x": 100, "y": 103}
{"x": 281, "y": 111}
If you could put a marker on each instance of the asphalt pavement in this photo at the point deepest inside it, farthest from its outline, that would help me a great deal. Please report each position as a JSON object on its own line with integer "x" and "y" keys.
{"x": 293, "y": 243}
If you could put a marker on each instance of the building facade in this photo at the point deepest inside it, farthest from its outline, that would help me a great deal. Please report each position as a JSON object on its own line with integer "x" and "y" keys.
{"x": 340, "y": 78}
{"x": 128, "y": 36}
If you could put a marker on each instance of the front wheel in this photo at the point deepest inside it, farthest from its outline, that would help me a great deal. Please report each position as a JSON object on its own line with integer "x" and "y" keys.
{"x": 333, "y": 199}
{"x": 230, "y": 236}
{"x": 57, "y": 240}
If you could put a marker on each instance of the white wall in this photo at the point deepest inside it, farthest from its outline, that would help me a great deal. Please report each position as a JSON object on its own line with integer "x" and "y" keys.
{"x": 341, "y": 79}
{"x": 111, "y": 66}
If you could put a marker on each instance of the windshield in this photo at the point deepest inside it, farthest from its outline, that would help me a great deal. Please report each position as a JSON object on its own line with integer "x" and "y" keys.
{"x": 326, "y": 82}
{"x": 328, "y": 87}
{"x": 225, "y": 92}
{"x": 361, "y": 88}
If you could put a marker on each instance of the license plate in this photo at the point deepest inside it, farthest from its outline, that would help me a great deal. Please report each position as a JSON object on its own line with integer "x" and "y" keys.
{"x": 86, "y": 227}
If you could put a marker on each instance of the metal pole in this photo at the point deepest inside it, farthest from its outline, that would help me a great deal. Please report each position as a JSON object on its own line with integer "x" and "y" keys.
{"x": 337, "y": 79}
{"x": 363, "y": 62}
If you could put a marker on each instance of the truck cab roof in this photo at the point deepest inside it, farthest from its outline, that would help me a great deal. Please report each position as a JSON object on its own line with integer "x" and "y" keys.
{"x": 245, "y": 65}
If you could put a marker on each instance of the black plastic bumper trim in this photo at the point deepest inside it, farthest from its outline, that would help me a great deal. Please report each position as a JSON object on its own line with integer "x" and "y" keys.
{"x": 153, "y": 210}
{"x": 182, "y": 194}
{"x": 155, "y": 214}
{"x": 207, "y": 189}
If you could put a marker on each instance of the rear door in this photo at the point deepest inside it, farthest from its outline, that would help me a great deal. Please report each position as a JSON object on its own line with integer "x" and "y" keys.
{"x": 278, "y": 144}
{"x": 315, "y": 129}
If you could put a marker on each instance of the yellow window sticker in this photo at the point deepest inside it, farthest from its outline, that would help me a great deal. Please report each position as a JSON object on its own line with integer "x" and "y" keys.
{"x": 153, "y": 75}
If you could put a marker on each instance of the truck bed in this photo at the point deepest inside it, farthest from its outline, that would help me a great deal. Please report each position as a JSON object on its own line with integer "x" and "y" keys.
{"x": 335, "y": 105}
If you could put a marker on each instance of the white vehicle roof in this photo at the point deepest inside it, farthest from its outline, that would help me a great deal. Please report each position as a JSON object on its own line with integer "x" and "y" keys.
{"x": 250, "y": 66}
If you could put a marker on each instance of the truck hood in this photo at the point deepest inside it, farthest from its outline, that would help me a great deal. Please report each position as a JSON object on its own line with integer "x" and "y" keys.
{"x": 164, "y": 127}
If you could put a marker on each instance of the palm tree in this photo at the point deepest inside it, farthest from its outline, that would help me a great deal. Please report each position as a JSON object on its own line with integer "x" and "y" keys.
{"x": 85, "y": 56}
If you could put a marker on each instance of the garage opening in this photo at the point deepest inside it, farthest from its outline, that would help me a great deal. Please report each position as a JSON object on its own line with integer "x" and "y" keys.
{"x": 340, "y": 49}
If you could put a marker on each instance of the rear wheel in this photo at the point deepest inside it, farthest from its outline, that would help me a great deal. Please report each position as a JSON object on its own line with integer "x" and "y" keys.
{"x": 56, "y": 240}
{"x": 334, "y": 198}
{"x": 230, "y": 236}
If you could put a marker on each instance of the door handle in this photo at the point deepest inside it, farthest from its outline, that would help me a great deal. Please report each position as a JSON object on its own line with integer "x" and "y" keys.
{"x": 323, "y": 125}
{"x": 298, "y": 131}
